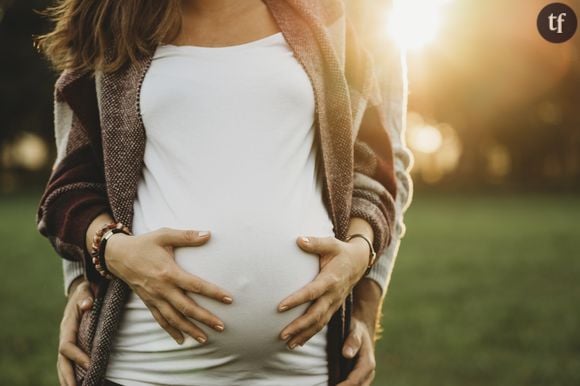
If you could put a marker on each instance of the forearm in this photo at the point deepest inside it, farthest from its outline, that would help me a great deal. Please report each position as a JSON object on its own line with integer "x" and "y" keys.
{"x": 73, "y": 270}
{"x": 74, "y": 284}
{"x": 367, "y": 293}
{"x": 74, "y": 197}
{"x": 103, "y": 218}
{"x": 361, "y": 226}
{"x": 382, "y": 270}
{"x": 367, "y": 305}
{"x": 391, "y": 67}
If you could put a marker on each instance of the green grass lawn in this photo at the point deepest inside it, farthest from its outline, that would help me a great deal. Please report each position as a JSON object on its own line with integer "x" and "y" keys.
{"x": 486, "y": 291}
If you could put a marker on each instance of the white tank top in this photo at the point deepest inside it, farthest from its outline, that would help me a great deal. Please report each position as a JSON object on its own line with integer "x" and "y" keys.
{"x": 230, "y": 149}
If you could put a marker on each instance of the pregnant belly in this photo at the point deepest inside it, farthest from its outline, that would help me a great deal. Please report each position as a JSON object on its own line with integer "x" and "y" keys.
{"x": 259, "y": 267}
{"x": 260, "y": 271}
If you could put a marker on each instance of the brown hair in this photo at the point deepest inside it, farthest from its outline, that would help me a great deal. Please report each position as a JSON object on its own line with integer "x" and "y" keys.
{"x": 106, "y": 34}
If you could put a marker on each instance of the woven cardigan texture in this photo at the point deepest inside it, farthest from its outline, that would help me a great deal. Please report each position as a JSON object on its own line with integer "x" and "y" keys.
{"x": 391, "y": 68}
{"x": 100, "y": 158}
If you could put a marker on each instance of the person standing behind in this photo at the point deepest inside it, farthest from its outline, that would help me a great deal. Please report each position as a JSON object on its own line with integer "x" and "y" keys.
{"x": 369, "y": 293}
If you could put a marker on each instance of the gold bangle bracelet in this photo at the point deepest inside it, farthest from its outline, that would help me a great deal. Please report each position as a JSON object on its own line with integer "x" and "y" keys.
{"x": 372, "y": 255}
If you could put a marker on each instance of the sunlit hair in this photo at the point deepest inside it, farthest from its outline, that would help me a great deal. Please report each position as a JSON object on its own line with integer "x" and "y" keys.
{"x": 105, "y": 35}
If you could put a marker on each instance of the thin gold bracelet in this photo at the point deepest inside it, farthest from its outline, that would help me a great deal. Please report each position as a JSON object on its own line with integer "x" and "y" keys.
{"x": 372, "y": 255}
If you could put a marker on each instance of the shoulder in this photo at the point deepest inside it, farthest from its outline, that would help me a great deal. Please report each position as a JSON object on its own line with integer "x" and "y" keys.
{"x": 323, "y": 11}
{"x": 331, "y": 11}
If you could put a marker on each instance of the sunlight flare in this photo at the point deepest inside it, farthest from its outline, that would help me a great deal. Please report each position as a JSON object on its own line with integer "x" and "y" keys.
{"x": 413, "y": 24}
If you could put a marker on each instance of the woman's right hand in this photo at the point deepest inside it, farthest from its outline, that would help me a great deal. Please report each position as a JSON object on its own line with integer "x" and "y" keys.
{"x": 146, "y": 263}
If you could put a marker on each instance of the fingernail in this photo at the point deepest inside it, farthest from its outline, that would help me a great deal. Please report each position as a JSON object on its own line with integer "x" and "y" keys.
{"x": 202, "y": 233}
{"x": 227, "y": 300}
{"x": 285, "y": 336}
{"x": 349, "y": 352}
{"x": 201, "y": 339}
{"x": 218, "y": 327}
{"x": 85, "y": 303}
{"x": 292, "y": 345}
{"x": 282, "y": 307}
{"x": 305, "y": 239}
{"x": 179, "y": 340}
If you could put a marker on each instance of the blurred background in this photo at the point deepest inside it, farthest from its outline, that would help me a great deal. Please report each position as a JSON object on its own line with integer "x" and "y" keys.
{"x": 486, "y": 287}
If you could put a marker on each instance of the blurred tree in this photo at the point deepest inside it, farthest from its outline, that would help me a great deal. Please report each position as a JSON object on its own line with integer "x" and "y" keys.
{"x": 498, "y": 83}
{"x": 25, "y": 78}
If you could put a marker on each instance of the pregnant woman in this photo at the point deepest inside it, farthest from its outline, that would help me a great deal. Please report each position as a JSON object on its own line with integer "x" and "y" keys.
{"x": 213, "y": 184}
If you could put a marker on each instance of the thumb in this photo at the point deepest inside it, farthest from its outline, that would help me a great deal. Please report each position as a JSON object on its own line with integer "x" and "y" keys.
{"x": 183, "y": 237}
{"x": 86, "y": 303}
{"x": 319, "y": 245}
{"x": 352, "y": 343}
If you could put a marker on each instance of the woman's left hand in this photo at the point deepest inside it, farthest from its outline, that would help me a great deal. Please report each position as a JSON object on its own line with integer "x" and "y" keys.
{"x": 342, "y": 265}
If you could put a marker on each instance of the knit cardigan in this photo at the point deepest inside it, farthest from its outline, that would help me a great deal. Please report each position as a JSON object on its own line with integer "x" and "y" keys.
{"x": 391, "y": 68}
{"x": 102, "y": 142}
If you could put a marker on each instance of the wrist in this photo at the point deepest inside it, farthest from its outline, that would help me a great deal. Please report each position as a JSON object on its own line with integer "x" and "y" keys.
{"x": 115, "y": 243}
{"x": 98, "y": 245}
{"x": 74, "y": 284}
{"x": 370, "y": 252}
{"x": 367, "y": 303}
{"x": 94, "y": 226}
{"x": 361, "y": 251}
{"x": 360, "y": 231}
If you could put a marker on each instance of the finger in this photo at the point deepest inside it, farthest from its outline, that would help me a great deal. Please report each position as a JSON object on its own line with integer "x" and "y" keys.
{"x": 317, "y": 312}
{"x": 61, "y": 380}
{"x": 309, "y": 324}
{"x": 67, "y": 337}
{"x": 352, "y": 343}
{"x": 66, "y": 373}
{"x": 59, "y": 372}
{"x": 369, "y": 380}
{"x": 361, "y": 375}
{"x": 190, "y": 308}
{"x": 85, "y": 296}
{"x": 172, "y": 331}
{"x": 178, "y": 321}
{"x": 85, "y": 304}
{"x": 310, "y": 292}
{"x": 364, "y": 369}
{"x": 74, "y": 353}
{"x": 68, "y": 333}
{"x": 182, "y": 237}
{"x": 367, "y": 349}
{"x": 69, "y": 328}
{"x": 196, "y": 284}
{"x": 319, "y": 245}
{"x": 324, "y": 260}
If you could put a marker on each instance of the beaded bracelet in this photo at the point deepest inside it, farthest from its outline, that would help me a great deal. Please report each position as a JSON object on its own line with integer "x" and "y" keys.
{"x": 99, "y": 242}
